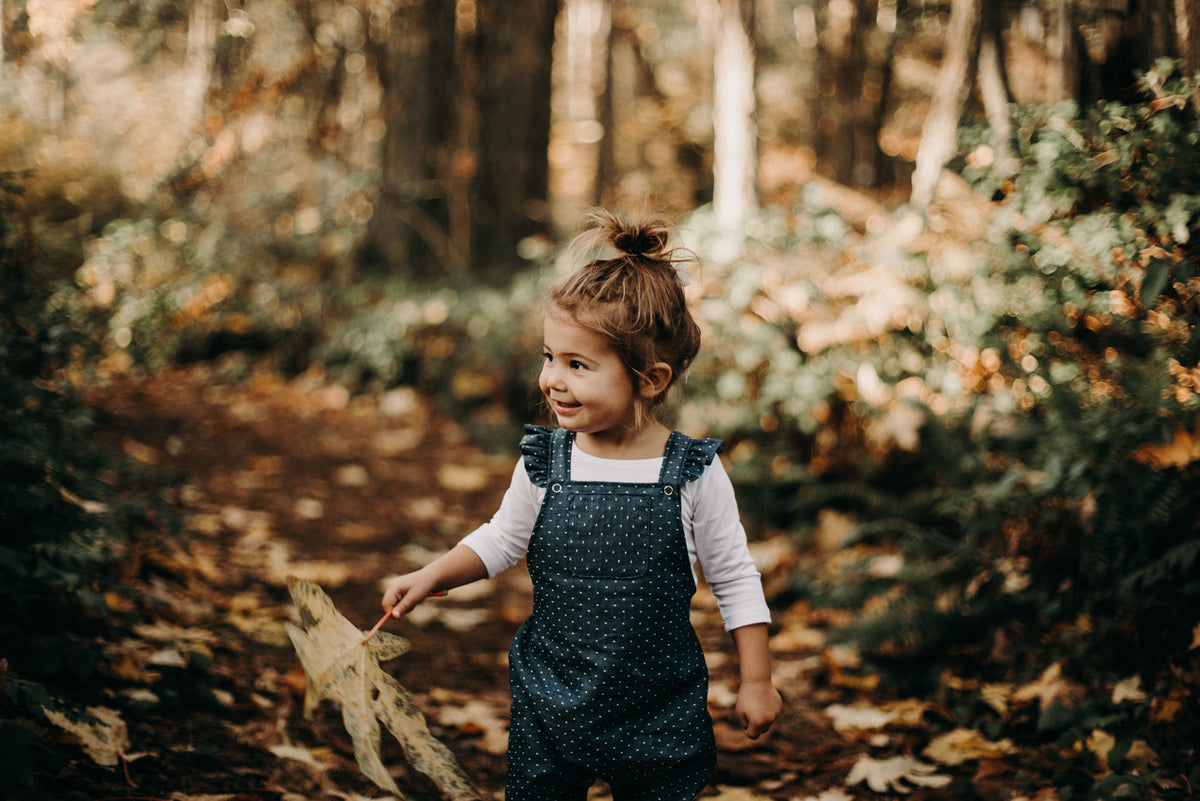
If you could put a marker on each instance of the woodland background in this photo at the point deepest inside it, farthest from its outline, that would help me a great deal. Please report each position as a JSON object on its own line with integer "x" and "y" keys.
{"x": 948, "y": 278}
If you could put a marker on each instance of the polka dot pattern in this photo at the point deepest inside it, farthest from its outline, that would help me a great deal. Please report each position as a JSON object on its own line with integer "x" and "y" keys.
{"x": 607, "y": 674}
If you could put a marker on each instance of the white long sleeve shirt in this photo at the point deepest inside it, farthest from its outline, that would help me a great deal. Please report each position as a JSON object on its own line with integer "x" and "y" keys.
{"x": 715, "y": 537}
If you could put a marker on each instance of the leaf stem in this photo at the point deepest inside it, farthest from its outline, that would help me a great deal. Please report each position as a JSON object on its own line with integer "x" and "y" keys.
{"x": 377, "y": 626}
{"x": 388, "y": 614}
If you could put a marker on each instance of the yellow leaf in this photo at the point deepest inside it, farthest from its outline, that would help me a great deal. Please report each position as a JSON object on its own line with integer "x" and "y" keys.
{"x": 339, "y": 663}
{"x": 1129, "y": 689}
{"x": 1101, "y": 744}
{"x": 996, "y": 696}
{"x": 1050, "y": 687}
{"x": 1195, "y": 638}
{"x": 1182, "y": 450}
{"x": 962, "y": 745}
{"x": 104, "y": 739}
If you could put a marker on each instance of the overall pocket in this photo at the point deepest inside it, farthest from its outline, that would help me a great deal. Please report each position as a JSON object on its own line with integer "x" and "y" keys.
{"x": 608, "y": 535}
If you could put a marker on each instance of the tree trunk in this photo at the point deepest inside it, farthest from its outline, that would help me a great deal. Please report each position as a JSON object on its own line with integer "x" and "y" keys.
{"x": 993, "y": 90}
{"x": 885, "y": 165}
{"x": 850, "y": 89}
{"x": 735, "y": 152}
{"x": 409, "y": 231}
{"x": 1187, "y": 32}
{"x": 1064, "y": 54}
{"x": 619, "y": 153}
{"x": 940, "y": 132}
{"x": 511, "y": 191}
{"x": 578, "y": 129}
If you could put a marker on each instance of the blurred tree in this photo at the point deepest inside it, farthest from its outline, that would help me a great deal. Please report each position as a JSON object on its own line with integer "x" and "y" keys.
{"x": 515, "y": 46}
{"x": 1187, "y": 28}
{"x": 939, "y": 134}
{"x": 735, "y": 154}
{"x": 409, "y": 231}
{"x": 853, "y": 59}
{"x": 628, "y": 78}
{"x": 1096, "y": 48}
{"x": 582, "y": 44}
{"x": 467, "y": 110}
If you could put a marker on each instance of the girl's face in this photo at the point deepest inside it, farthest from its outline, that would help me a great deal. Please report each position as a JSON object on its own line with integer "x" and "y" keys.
{"x": 583, "y": 378}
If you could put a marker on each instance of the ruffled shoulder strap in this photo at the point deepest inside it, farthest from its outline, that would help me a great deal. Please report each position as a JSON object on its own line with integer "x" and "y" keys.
{"x": 698, "y": 455}
{"x": 535, "y": 450}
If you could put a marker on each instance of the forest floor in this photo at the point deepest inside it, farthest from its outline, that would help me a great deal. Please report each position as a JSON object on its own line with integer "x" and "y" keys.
{"x": 275, "y": 477}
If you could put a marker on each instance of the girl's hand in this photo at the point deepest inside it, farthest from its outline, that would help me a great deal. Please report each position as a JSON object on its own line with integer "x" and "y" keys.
{"x": 758, "y": 705}
{"x": 402, "y": 593}
{"x": 453, "y": 569}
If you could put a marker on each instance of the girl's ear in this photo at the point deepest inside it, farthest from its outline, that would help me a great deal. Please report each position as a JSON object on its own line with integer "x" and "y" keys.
{"x": 655, "y": 380}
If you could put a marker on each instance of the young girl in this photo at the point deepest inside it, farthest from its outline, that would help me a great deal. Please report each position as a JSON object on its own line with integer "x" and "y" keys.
{"x": 612, "y": 509}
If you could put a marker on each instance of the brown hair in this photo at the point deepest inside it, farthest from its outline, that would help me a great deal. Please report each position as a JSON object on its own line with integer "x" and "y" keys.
{"x": 634, "y": 299}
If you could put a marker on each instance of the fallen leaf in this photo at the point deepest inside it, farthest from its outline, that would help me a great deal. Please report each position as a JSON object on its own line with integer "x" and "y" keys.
{"x": 996, "y": 696}
{"x": 104, "y": 740}
{"x": 895, "y": 774}
{"x": 308, "y": 509}
{"x": 858, "y": 717}
{"x": 298, "y": 753}
{"x": 480, "y": 717}
{"x": 1129, "y": 689}
{"x": 864, "y": 717}
{"x": 736, "y": 794}
{"x": 961, "y": 745}
{"x": 835, "y": 794}
{"x": 1050, "y": 687}
{"x": 1139, "y": 756}
{"x": 462, "y": 478}
{"x": 1101, "y": 743}
{"x": 339, "y": 662}
{"x": 352, "y": 475}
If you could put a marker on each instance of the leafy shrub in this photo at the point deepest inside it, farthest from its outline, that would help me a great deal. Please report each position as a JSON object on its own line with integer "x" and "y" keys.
{"x": 61, "y": 525}
{"x": 1051, "y": 381}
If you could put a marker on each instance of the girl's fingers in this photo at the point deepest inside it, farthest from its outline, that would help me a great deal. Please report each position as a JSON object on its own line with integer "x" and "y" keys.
{"x": 398, "y": 609}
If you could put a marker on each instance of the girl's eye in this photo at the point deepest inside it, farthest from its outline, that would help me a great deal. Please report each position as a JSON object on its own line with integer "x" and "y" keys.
{"x": 577, "y": 365}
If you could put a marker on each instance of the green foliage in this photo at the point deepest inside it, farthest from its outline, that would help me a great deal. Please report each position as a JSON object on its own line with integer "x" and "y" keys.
{"x": 43, "y": 437}
{"x": 62, "y": 525}
{"x": 1053, "y": 500}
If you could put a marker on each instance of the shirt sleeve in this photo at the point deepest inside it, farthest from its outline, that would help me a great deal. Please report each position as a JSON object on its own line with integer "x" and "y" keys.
{"x": 502, "y": 541}
{"x": 718, "y": 542}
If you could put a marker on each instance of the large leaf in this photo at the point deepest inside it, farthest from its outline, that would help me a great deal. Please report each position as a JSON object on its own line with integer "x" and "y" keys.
{"x": 340, "y": 663}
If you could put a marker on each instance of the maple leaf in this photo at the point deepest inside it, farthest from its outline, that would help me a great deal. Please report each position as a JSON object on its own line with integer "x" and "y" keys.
{"x": 101, "y": 732}
{"x": 339, "y": 662}
{"x": 895, "y": 774}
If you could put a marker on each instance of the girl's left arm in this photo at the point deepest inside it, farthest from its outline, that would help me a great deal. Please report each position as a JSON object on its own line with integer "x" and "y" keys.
{"x": 758, "y": 702}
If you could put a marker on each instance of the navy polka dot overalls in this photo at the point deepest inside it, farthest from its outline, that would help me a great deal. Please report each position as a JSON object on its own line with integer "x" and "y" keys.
{"x": 608, "y": 679}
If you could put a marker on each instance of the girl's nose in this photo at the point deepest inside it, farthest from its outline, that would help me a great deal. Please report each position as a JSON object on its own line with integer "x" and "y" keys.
{"x": 552, "y": 376}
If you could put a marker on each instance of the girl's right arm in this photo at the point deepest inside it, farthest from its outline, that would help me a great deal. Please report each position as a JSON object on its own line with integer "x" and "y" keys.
{"x": 457, "y": 567}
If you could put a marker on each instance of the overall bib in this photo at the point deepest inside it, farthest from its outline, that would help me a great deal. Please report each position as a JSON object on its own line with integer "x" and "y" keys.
{"x": 608, "y": 679}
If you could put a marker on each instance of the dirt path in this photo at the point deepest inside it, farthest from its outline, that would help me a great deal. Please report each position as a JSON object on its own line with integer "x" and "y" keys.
{"x": 281, "y": 477}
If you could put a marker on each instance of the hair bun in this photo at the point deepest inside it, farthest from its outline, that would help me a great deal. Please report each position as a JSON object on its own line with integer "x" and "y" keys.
{"x": 640, "y": 241}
